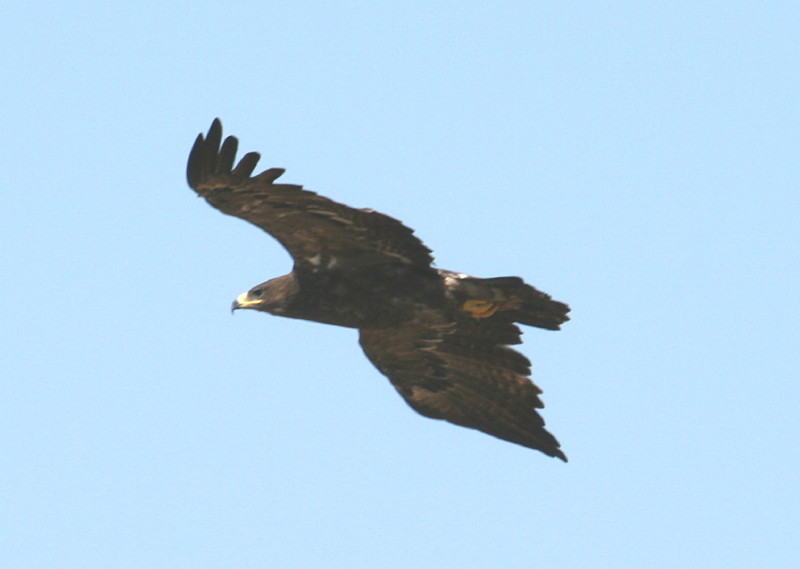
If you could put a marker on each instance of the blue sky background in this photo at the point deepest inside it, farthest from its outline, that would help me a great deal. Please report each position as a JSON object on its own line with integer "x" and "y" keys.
{"x": 637, "y": 160}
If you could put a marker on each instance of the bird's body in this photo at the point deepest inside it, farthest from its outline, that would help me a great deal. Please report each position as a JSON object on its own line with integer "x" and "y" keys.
{"x": 353, "y": 297}
{"x": 442, "y": 338}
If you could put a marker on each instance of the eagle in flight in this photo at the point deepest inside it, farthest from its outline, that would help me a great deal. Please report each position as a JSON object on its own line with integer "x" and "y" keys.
{"x": 442, "y": 338}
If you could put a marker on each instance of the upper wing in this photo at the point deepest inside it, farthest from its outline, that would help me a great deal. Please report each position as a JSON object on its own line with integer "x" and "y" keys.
{"x": 315, "y": 230}
{"x": 464, "y": 372}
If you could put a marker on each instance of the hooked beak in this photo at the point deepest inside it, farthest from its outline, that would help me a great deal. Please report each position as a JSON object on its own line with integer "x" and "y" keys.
{"x": 244, "y": 301}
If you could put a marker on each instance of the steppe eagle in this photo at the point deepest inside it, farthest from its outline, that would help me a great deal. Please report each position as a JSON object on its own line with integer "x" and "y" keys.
{"x": 441, "y": 337}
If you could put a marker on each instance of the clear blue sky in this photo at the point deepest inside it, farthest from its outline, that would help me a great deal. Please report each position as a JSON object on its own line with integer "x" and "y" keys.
{"x": 637, "y": 160}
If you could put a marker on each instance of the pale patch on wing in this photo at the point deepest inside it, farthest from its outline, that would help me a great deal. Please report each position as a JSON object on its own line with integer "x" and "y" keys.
{"x": 332, "y": 215}
{"x": 427, "y": 398}
{"x": 321, "y": 260}
{"x": 453, "y": 280}
{"x": 480, "y": 308}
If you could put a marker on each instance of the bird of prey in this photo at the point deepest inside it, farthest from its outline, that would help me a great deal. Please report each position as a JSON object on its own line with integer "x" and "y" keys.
{"x": 442, "y": 338}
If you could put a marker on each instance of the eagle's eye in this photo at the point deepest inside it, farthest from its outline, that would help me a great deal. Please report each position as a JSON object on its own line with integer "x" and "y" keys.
{"x": 258, "y": 291}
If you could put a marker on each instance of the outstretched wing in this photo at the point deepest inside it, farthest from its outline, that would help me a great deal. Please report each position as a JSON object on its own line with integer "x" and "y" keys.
{"x": 317, "y": 231}
{"x": 465, "y": 373}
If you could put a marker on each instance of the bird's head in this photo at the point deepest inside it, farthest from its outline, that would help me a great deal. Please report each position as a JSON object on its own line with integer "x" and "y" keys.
{"x": 272, "y": 296}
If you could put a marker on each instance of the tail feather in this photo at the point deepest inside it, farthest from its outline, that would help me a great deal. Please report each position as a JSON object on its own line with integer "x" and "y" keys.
{"x": 541, "y": 311}
{"x": 518, "y": 301}
{"x": 528, "y": 305}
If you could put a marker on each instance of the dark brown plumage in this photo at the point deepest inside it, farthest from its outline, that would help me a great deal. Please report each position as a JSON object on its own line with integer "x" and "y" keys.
{"x": 442, "y": 338}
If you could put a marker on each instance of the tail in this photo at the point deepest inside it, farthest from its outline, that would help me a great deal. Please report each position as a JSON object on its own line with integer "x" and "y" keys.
{"x": 509, "y": 296}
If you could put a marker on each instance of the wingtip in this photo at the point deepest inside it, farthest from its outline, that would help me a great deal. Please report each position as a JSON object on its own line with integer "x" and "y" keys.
{"x": 213, "y": 138}
{"x": 246, "y": 165}
{"x": 194, "y": 164}
{"x": 269, "y": 176}
{"x": 206, "y": 153}
{"x": 215, "y": 128}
